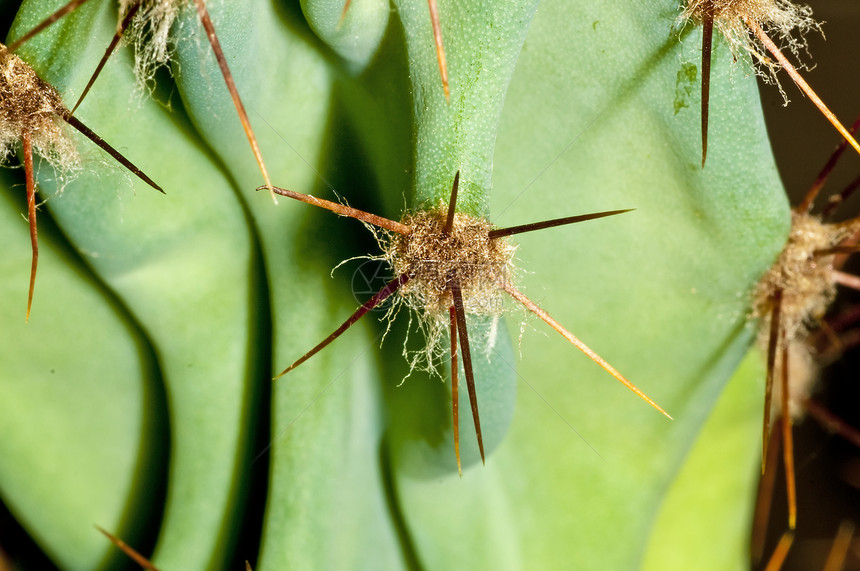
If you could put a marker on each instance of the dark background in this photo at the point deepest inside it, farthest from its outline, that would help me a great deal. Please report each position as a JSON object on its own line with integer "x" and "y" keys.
{"x": 828, "y": 467}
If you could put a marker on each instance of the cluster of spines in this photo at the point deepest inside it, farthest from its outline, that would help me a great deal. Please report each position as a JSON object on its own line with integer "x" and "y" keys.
{"x": 135, "y": 14}
{"x": 795, "y": 293}
{"x": 736, "y": 19}
{"x": 451, "y": 295}
{"x": 792, "y": 300}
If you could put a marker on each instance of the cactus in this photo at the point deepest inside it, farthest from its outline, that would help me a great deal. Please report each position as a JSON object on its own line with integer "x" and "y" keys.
{"x": 139, "y": 396}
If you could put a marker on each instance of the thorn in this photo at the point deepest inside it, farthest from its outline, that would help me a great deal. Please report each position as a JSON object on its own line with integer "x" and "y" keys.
{"x": 816, "y": 187}
{"x": 841, "y": 544}
{"x": 788, "y": 441}
{"x": 707, "y": 44}
{"x": 500, "y": 232}
{"x": 834, "y": 201}
{"x": 452, "y": 206}
{"x": 833, "y": 423}
{"x": 781, "y": 552}
{"x": 534, "y": 308}
{"x": 234, "y": 93}
{"x": 344, "y": 210}
{"x": 378, "y": 298}
{"x": 460, "y": 313}
{"x": 773, "y": 341}
{"x": 27, "y": 143}
{"x": 89, "y": 134}
{"x": 69, "y": 7}
{"x": 137, "y": 557}
{"x": 455, "y": 399}
{"x": 440, "y": 49}
{"x": 764, "y": 501}
{"x": 844, "y": 249}
{"x": 126, "y": 21}
{"x": 847, "y": 280}
{"x": 801, "y": 83}
{"x": 343, "y": 13}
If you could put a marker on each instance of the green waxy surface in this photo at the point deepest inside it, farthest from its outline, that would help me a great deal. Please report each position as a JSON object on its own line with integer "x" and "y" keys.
{"x": 718, "y": 478}
{"x": 660, "y": 292}
{"x": 355, "y": 34}
{"x": 324, "y": 473}
{"x": 77, "y": 396}
{"x": 422, "y": 445}
{"x": 183, "y": 263}
{"x": 229, "y": 288}
{"x": 482, "y": 41}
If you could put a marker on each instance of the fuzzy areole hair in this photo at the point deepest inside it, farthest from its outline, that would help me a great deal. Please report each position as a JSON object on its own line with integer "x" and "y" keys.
{"x": 783, "y": 20}
{"x": 430, "y": 256}
{"x": 149, "y": 33}
{"x": 804, "y": 277}
{"x": 802, "y": 282}
{"x": 30, "y": 104}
